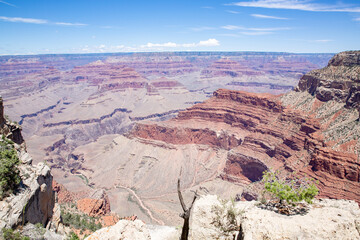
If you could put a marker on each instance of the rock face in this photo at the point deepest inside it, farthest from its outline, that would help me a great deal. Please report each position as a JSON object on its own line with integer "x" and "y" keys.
{"x": 95, "y": 206}
{"x": 9, "y": 129}
{"x": 2, "y": 119}
{"x": 326, "y": 219}
{"x": 124, "y": 229}
{"x": 34, "y": 201}
{"x": 338, "y": 81}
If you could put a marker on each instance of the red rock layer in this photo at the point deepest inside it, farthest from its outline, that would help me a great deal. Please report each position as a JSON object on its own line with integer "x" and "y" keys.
{"x": 94, "y": 207}
{"x": 94, "y": 203}
{"x": 63, "y": 195}
{"x": 260, "y": 133}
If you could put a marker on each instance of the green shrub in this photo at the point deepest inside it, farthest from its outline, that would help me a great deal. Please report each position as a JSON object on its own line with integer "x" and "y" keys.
{"x": 291, "y": 191}
{"x": 80, "y": 221}
{"x": 10, "y": 234}
{"x": 73, "y": 236}
{"x": 9, "y": 172}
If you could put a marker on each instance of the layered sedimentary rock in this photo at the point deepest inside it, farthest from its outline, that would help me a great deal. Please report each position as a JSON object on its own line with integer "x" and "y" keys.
{"x": 340, "y": 80}
{"x": 156, "y": 64}
{"x": 225, "y": 67}
{"x": 292, "y": 133}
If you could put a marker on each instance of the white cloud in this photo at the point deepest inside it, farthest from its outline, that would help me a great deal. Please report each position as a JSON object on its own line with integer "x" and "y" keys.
{"x": 357, "y": 19}
{"x": 233, "y": 12}
{"x": 168, "y": 44}
{"x": 70, "y": 24}
{"x": 207, "y": 43}
{"x": 233, "y": 27}
{"x": 12, "y": 5}
{"x": 23, "y": 20}
{"x": 268, "y": 17}
{"x": 323, "y": 40}
{"x": 256, "y": 33}
{"x": 102, "y": 48}
{"x": 38, "y": 21}
{"x": 304, "y": 5}
{"x": 253, "y": 31}
{"x": 200, "y": 29}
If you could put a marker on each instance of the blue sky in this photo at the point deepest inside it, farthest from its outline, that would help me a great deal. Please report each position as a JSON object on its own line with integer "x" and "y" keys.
{"x": 89, "y": 26}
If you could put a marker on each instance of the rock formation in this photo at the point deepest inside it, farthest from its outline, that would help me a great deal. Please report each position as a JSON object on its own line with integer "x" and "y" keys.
{"x": 34, "y": 201}
{"x": 124, "y": 229}
{"x": 338, "y": 81}
{"x": 326, "y": 219}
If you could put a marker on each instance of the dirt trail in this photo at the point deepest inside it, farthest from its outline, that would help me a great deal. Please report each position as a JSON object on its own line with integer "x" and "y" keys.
{"x": 142, "y": 205}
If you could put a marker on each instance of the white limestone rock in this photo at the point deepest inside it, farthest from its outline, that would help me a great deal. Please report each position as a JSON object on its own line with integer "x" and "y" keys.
{"x": 124, "y": 230}
{"x": 326, "y": 219}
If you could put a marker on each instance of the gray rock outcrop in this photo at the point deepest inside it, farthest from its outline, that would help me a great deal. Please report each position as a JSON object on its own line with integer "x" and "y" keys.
{"x": 33, "y": 202}
{"x": 339, "y": 80}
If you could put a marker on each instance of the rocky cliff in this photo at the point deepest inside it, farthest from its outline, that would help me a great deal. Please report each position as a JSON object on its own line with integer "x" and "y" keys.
{"x": 34, "y": 200}
{"x": 339, "y": 81}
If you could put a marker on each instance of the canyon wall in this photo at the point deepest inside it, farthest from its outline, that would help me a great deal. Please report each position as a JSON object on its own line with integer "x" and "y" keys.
{"x": 296, "y": 132}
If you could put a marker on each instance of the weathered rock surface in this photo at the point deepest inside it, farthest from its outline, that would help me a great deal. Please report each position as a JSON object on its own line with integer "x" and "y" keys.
{"x": 94, "y": 207}
{"x": 326, "y": 219}
{"x": 340, "y": 80}
{"x": 34, "y": 200}
{"x": 124, "y": 229}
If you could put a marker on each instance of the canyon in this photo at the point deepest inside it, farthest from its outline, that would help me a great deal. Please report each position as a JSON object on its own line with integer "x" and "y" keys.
{"x": 127, "y": 124}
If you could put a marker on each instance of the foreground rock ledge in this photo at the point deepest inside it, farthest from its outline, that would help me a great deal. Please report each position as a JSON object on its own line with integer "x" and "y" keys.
{"x": 326, "y": 219}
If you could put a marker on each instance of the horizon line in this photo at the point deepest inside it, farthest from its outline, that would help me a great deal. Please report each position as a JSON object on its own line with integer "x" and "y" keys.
{"x": 161, "y": 52}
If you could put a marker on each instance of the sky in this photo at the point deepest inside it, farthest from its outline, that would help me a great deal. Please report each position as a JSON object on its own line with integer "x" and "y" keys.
{"x": 99, "y": 26}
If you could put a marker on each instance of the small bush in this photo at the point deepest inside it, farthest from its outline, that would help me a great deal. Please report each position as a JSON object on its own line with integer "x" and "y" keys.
{"x": 82, "y": 222}
{"x": 227, "y": 218}
{"x": 73, "y": 236}
{"x": 9, "y": 172}
{"x": 10, "y": 234}
{"x": 291, "y": 191}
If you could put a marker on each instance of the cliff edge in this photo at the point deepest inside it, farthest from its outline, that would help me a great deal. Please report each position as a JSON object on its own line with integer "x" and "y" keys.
{"x": 33, "y": 201}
